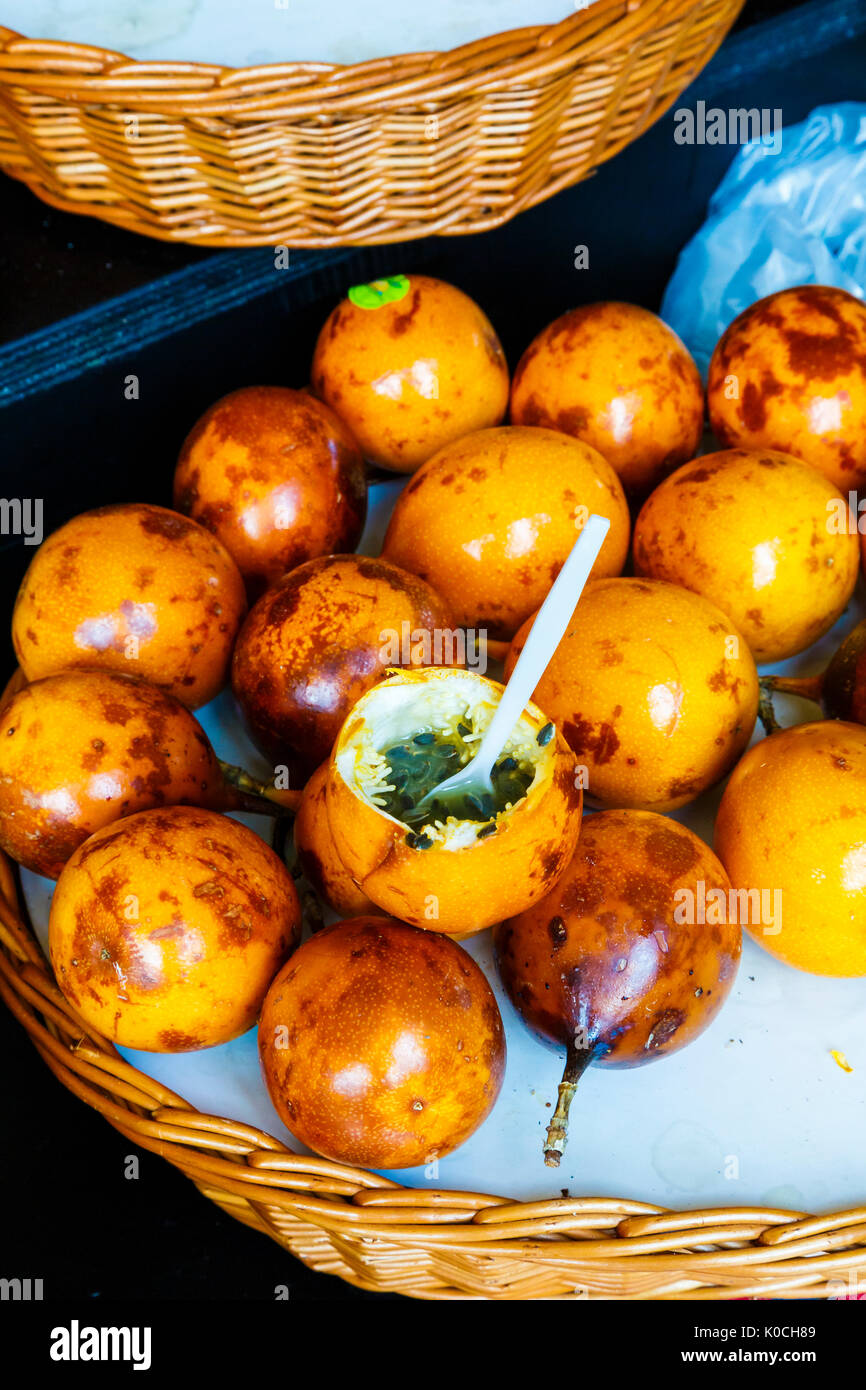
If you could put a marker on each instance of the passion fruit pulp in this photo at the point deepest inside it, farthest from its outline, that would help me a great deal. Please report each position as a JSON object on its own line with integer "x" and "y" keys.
{"x": 459, "y": 867}
{"x": 420, "y": 764}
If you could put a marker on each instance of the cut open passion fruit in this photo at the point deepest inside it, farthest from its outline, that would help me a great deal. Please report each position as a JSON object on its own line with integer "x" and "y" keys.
{"x": 459, "y": 866}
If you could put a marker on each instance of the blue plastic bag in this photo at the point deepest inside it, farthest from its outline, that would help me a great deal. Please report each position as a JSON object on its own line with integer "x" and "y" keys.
{"x": 795, "y": 217}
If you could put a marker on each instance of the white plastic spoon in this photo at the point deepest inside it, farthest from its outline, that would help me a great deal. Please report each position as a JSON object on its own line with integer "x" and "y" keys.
{"x": 546, "y": 632}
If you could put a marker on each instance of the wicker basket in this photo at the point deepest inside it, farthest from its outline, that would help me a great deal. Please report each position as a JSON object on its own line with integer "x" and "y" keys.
{"x": 313, "y": 154}
{"x": 428, "y": 1243}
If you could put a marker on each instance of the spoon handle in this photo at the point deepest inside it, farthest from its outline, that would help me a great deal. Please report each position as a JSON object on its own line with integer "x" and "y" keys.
{"x": 546, "y": 632}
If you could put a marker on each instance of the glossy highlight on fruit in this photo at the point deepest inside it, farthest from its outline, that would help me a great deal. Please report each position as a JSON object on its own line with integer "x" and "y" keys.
{"x": 632, "y": 954}
{"x": 454, "y": 875}
{"x": 167, "y": 928}
{"x": 321, "y": 637}
{"x": 381, "y": 1045}
{"x": 749, "y": 529}
{"x": 790, "y": 374}
{"x": 617, "y": 377}
{"x": 277, "y": 477}
{"x": 491, "y": 520}
{"x": 323, "y": 868}
{"x": 410, "y": 368}
{"x": 792, "y": 823}
{"x": 84, "y": 748}
{"x": 132, "y": 588}
{"x": 654, "y": 689}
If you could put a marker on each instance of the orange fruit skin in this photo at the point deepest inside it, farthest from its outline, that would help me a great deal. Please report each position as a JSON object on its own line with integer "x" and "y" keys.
{"x": 393, "y": 1050}
{"x": 322, "y": 865}
{"x": 84, "y": 748}
{"x": 605, "y": 953}
{"x": 136, "y": 573}
{"x": 470, "y": 888}
{"x": 646, "y": 692}
{"x": 167, "y": 928}
{"x": 313, "y": 644}
{"x": 793, "y": 819}
{"x": 277, "y": 477}
{"x": 617, "y": 377}
{"x": 490, "y": 521}
{"x": 799, "y": 360}
{"x": 749, "y": 530}
{"x": 410, "y": 376}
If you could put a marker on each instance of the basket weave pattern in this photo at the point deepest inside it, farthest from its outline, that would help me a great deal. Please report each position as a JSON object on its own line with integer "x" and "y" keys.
{"x": 317, "y": 155}
{"x": 428, "y": 1243}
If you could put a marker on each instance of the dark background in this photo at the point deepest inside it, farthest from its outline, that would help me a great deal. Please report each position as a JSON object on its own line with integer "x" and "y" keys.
{"x": 223, "y": 320}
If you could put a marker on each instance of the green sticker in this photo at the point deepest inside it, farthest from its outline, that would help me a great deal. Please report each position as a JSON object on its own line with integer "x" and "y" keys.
{"x": 380, "y": 292}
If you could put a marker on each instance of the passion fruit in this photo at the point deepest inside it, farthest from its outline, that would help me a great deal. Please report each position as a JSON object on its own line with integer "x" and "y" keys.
{"x": 654, "y": 689}
{"x": 381, "y": 1045}
{"x": 789, "y": 374}
{"x": 323, "y": 868}
{"x": 132, "y": 587}
{"x": 277, "y": 477}
{"x": 84, "y": 748}
{"x": 749, "y": 530}
{"x": 791, "y": 831}
{"x": 491, "y": 520}
{"x": 410, "y": 363}
{"x": 631, "y": 955}
{"x": 453, "y": 869}
{"x": 618, "y": 378}
{"x": 843, "y": 684}
{"x": 321, "y": 637}
{"x": 167, "y": 928}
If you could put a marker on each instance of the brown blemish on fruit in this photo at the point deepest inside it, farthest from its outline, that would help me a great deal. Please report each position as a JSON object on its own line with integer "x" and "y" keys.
{"x": 664, "y": 1027}
{"x": 173, "y": 1040}
{"x": 670, "y": 850}
{"x": 582, "y": 739}
{"x": 403, "y": 316}
{"x": 558, "y": 933}
{"x": 171, "y": 526}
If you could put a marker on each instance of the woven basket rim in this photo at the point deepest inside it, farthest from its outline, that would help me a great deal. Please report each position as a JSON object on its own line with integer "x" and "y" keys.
{"x": 52, "y": 65}
{"x": 341, "y": 1220}
{"x": 317, "y": 155}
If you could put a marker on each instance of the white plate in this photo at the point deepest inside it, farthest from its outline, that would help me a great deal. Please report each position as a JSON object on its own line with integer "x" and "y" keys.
{"x": 755, "y": 1111}
{"x": 242, "y": 33}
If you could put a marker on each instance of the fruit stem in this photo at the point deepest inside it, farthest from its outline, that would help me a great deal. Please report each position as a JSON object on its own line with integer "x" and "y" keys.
{"x": 806, "y": 687}
{"x": 311, "y": 908}
{"x": 576, "y": 1061}
{"x": 496, "y": 650}
{"x": 251, "y": 793}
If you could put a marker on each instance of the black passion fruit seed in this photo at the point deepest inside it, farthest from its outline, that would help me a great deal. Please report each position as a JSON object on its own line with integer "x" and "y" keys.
{"x": 544, "y": 736}
{"x": 418, "y": 841}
